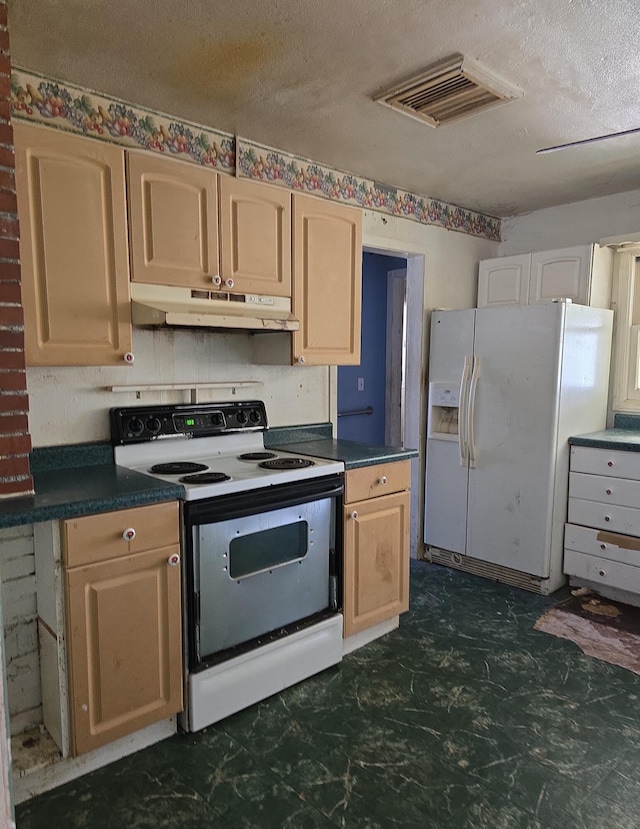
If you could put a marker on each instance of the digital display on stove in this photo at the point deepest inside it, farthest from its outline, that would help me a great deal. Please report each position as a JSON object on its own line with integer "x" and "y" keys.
{"x": 198, "y": 422}
{"x": 189, "y": 421}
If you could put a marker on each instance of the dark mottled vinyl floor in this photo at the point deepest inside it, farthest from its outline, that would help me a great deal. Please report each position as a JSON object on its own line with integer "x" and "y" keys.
{"x": 463, "y": 717}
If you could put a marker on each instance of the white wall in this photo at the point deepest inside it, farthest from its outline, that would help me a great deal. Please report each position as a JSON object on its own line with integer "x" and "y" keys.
{"x": 571, "y": 224}
{"x": 70, "y": 405}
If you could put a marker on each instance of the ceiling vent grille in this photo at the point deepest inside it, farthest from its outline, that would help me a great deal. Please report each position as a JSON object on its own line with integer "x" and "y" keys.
{"x": 451, "y": 89}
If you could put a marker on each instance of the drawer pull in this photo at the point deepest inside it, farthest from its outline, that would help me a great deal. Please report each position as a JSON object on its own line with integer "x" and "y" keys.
{"x": 602, "y": 572}
{"x": 607, "y": 518}
{"x": 129, "y": 534}
{"x": 608, "y": 491}
{"x": 603, "y": 546}
{"x": 609, "y": 463}
{"x": 354, "y": 514}
{"x": 383, "y": 480}
{"x": 173, "y": 560}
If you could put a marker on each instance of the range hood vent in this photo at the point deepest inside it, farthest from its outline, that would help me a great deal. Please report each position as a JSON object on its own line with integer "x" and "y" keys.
{"x": 161, "y": 305}
{"x": 448, "y": 90}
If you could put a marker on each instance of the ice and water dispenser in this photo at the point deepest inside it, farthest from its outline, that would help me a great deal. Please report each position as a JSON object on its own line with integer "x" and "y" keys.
{"x": 444, "y": 404}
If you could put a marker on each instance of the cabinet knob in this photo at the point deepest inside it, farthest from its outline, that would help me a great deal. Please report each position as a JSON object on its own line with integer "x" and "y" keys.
{"x": 301, "y": 360}
{"x": 609, "y": 463}
{"x": 602, "y": 572}
{"x": 173, "y": 560}
{"x": 354, "y": 514}
{"x": 608, "y": 491}
{"x": 603, "y": 546}
{"x": 129, "y": 357}
{"x": 229, "y": 283}
{"x": 217, "y": 280}
{"x": 607, "y": 518}
{"x": 129, "y": 534}
{"x": 383, "y": 480}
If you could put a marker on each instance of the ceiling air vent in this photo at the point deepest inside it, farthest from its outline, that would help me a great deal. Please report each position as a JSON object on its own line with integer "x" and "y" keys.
{"x": 453, "y": 88}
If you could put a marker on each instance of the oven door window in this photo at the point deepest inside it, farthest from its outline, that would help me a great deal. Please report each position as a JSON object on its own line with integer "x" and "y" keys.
{"x": 266, "y": 549}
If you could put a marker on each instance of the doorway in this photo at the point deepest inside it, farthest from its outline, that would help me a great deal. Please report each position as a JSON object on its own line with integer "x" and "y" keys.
{"x": 371, "y": 395}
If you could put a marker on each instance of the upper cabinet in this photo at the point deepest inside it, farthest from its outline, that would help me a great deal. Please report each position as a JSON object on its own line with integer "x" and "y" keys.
{"x": 73, "y": 248}
{"x": 191, "y": 228}
{"x": 255, "y": 237}
{"x": 582, "y": 274}
{"x": 327, "y": 288}
{"x": 173, "y": 222}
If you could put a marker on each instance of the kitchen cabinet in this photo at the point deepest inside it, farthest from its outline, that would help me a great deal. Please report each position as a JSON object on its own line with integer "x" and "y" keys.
{"x": 327, "y": 286}
{"x": 602, "y": 538}
{"x": 376, "y": 544}
{"x": 73, "y": 248}
{"x": 582, "y": 274}
{"x": 191, "y": 228}
{"x": 122, "y": 587}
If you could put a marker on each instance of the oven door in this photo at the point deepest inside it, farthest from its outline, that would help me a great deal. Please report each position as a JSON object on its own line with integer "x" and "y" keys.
{"x": 261, "y": 563}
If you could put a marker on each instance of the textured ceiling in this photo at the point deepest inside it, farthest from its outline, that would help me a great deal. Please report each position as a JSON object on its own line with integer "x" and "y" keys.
{"x": 299, "y": 75}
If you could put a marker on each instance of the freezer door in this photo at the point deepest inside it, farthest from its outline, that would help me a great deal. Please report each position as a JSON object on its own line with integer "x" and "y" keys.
{"x": 518, "y": 352}
{"x": 446, "y": 479}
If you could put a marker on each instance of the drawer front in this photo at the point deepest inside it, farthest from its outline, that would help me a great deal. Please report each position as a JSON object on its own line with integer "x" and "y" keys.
{"x": 602, "y": 571}
{"x": 621, "y": 491}
{"x": 94, "y": 538}
{"x": 610, "y": 517}
{"x": 625, "y": 549}
{"x": 380, "y": 479}
{"x": 612, "y": 463}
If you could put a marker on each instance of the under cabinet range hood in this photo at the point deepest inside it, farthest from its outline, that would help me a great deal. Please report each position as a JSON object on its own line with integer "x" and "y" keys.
{"x": 163, "y": 305}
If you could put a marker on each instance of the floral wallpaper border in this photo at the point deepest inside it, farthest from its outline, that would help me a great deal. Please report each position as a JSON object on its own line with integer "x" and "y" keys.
{"x": 83, "y": 111}
{"x": 267, "y": 164}
{"x": 76, "y": 109}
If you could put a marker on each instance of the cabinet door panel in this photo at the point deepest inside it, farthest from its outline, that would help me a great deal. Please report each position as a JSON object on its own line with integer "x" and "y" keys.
{"x": 376, "y": 565}
{"x": 255, "y": 236}
{"x": 173, "y": 216}
{"x": 504, "y": 281}
{"x": 75, "y": 286}
{"x": 327, "y": 264}
{"x": 124, "y": 646}
{"x": 561, "y": 273}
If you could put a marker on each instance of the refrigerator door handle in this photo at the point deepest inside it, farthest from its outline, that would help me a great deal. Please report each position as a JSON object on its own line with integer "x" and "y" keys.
{"x": 473, "y": 455}
{"x": 462, "y": 411}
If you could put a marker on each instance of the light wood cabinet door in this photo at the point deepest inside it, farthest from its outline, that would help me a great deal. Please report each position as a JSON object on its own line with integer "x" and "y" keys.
{"x": 124, "y": 641}
{"x": 376, "y": 561}
{"x": 73, "y": 248}
{"x": 173, "y": 222}
{"x": 564, "y": 273}
{"x": 327, "y": 282}
{"x": 255, "y": 237}
{"x": 504, "y": 281}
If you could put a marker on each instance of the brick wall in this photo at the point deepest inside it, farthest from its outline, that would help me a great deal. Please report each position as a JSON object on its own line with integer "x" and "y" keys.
{"x": 15, "y": 441}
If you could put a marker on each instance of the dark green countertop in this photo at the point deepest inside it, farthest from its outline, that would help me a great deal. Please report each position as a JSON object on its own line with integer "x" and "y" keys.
{"x": 353, "y": 454}
{"x": 625, "y": 439}
{"x": 73, "y": 491}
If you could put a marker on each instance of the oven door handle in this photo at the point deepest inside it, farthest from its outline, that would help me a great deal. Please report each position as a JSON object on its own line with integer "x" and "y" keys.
{"x": 264, "y": 499}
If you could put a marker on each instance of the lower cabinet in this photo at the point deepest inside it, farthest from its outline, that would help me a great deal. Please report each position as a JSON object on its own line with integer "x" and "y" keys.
{"x": 122, "y": 586}
{"x": 376, "y": 544}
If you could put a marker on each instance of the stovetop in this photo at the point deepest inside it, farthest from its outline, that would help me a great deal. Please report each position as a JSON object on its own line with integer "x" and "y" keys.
{"x": 211, "y": 439}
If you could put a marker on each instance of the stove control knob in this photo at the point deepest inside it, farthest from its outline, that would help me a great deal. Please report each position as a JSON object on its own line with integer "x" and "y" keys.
{"x": 217, "y": 280}
{"x": 242, "y": 417}
{"x": 254, "y": 416}
{"x": 129, "y": 534}
{"x": 154, "y": 425}
{"x": 173, "y": 560}
{"x": 136, "y": 426}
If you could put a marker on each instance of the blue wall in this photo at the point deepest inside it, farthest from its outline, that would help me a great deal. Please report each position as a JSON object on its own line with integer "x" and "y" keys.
{"x": 368, "y": 428}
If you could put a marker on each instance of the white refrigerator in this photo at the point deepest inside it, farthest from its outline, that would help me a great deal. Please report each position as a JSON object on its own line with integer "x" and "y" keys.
{"x": 507, "y": 388}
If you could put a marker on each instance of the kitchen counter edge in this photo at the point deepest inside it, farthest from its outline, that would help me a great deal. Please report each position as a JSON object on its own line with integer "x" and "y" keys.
{"x": 351, "y": 453}
{"x": 627, "y": 440}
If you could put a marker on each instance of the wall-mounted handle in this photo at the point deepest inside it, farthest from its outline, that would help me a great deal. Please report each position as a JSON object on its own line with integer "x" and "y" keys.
{"x": 129, "y": 534}
{"x": 367, "y": 411}
{"x": 354, "y": 514}
{"x": 173, "y": 560}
